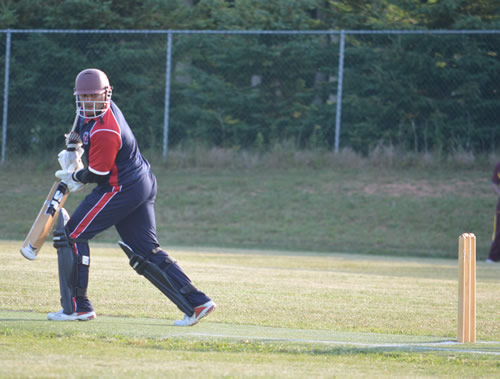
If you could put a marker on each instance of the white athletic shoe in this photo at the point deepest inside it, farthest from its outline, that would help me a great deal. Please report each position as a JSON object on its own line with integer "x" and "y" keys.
{"x": 80, "y": 316}
{"x": 490, "y": 261}
{"x": 199, "y": 312}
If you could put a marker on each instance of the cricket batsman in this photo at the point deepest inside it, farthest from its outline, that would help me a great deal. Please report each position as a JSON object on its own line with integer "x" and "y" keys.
{"x": 123, "y": 197}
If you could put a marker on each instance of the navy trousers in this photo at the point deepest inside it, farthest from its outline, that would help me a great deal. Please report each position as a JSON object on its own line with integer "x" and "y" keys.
{"x": 131, "y": 211}
{"x": 495, "y": 243}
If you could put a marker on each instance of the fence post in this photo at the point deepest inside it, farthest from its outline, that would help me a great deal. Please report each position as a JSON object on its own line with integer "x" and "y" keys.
{"x": 5, "y": 95}
{"x": 338, "y": 113}
{"x": 167, "y": 94}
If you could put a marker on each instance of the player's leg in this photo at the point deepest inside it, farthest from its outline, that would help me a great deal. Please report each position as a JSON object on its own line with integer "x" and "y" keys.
{"x": 494, "y": 255}
{"x": 97, "y": 212}
{"x": 139, "y": 237}
{"x": 138, "y": 231}
{"x": 68, "y": 261}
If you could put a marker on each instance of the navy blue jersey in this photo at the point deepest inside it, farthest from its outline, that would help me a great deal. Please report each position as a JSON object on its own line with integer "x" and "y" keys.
{"x": 111, "y": 148}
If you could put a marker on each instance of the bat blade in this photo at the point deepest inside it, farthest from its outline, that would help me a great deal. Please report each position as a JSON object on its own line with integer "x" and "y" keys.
{"x": 45, "y": 220}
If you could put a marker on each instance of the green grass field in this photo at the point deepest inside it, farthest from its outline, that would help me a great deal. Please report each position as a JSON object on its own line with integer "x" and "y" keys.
{"x": 280, "y": 314}
{"x": 345, "y": 267}
{"x": 341, "y": 207}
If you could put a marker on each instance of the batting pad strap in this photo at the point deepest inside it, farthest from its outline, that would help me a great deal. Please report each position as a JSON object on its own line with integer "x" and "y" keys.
{"x": 80, "y": 292}
{"x": 138, "y": 263}
{"x": 164, "y": 264}
{"x": 156, "y": 250}
{"x": 187, "y": 289}
{"x": 62, "y": 239}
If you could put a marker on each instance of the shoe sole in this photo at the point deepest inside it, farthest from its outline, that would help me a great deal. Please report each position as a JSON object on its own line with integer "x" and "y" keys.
{"x": 92, "y": 317}
{"x": 86, "y": 319}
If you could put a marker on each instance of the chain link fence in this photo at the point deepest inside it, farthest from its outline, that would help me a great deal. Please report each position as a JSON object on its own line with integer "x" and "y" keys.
{"x": 418, "y": 91}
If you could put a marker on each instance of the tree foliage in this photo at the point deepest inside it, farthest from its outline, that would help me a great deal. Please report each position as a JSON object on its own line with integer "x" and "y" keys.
{"x": 418, "y": 92}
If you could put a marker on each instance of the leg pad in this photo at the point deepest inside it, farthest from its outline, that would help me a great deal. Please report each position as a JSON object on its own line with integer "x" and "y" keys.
{"x": 161, "y": 277}
{"x": 68, "y": 261}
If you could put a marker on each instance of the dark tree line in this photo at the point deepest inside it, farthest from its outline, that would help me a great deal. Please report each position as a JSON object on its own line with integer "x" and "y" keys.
{"x": 417, "y": 92}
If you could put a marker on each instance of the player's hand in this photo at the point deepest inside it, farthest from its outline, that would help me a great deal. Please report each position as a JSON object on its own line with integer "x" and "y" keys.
{"x": 71, "y": 161}
{"x": 67, "y": 178}
{"x": 73, "y": 140}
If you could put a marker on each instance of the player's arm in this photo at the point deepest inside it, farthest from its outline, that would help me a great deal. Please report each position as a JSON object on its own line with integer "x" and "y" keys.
{"x": 86, "y": 176}
{"x": 105, "y": 144}
{"x": 69, "y": 157}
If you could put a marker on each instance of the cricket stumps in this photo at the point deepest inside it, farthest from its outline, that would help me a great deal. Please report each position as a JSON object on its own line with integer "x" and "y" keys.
{"x": 466, "y": 288}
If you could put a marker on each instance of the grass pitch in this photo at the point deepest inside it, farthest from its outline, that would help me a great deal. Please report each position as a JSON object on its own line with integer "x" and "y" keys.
{"x": 279, "y": 314}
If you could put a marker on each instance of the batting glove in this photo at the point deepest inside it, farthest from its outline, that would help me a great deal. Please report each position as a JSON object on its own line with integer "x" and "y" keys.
{"x": 68, "y": 179}
{"x": 71, "y": 160}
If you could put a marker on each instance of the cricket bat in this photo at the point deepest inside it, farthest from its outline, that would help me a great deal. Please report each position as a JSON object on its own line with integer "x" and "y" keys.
{"x": 45, "y": 220}
{"x": 47, "y": 216}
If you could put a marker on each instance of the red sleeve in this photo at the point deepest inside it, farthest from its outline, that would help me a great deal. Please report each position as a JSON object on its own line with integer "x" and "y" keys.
{"x": 104, "y": 145}
{"x": 496, "y": 174}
